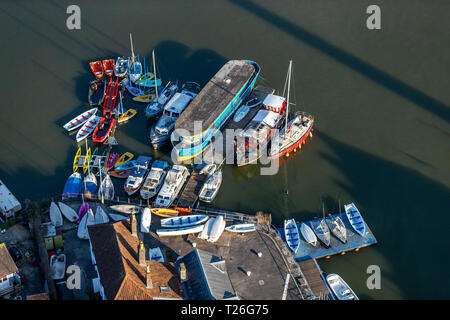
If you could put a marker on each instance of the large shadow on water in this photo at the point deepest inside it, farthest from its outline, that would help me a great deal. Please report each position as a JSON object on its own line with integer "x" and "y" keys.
{"x": 407, "y": 213}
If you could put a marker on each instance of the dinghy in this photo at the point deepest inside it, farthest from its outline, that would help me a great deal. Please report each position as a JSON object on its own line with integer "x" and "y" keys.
{"x": 90, "y": 186}
{"x": 241, "y": 228}
{"x": 113, "y": 157}
{"x": 96, "y": 68}
{"x": 179, "y": 231}
{"x": 58, "y": 266}
{"x": 97, "y": 89}
{"x": 117, "y": 217}
{"x": 155, "y": 254}
{"x": 125, "y": 208}
{"x": 103, "y": 129}
{"x": 209, "y": 190}
{"x": 146, "y": 220}
{"x": 156, "y": 107}
{"x": 164, "y": 212}
{"x": 100, "y": 216}
{"x": 146, "y": 98}
{"x": 88, "y": 127}
{"x": 121, "y": 67}
{"x": 308, "y": 234}
{"x": 127, "y": 156}
{"x": 241, "y": 113}
{"x": 126, "y": 166}
{"x": 121, "y": 174}
{"x": 127, "y": 115}
{"x": 79, "y": 120}
{"x": 355, "y": 218}
{"x": 108, "y": 66}
{"x": 55, "y": 215}
{"x": 217, "y": 229}
{"x": 72, "y": 188}
{"x": 82, "y": 211}
{"x": 82, "y": 232}
{"x": 147, "y": 80}
{"x": 291, "y": 234}
{"x": 135, "y": 67}
{"x": 106, "y": 188}
{"x": 68, "y": 212}
{"x": 206, "y": 232}
{"x": 340, "y": 288}
{"x": 184, "y": 221}
{"x": 320, "y": 228}
{"x": 337, "y": 227}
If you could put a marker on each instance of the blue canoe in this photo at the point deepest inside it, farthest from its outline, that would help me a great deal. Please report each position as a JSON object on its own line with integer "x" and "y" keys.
{"x": 73, "y": 186}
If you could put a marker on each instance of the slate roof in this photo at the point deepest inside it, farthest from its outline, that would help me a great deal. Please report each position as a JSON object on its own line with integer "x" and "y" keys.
{"x": 7, "y": 264}
{"x": 122, "y": 278}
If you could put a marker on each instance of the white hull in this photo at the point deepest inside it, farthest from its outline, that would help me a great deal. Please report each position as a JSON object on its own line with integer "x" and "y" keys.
{"x": 146, "y": 220}
{"x": 79, "y": 120}
{"x": 321, "y": 230}
{"x": 58, "y": 266}
{"x": 82, "y": 229}
{"x": 179, "y": 231}
{"x": 155, "y": 254}
{"x": 55, "y": 215}
{"x": 117, "y": 217}
{"x": 355, "y": 218}
{"x": 88, "y": 127}
{"x": 209, "y": 190}
{"x": 291, "y": 234}
{"x": 174, "y": 181}
{"x": 68, "y": 212}
{"x": 308, "y": 234}
{"x": 217, "y": 229}
{"x": 241, "y": 228}
{"x": 107, "y": 188}
{"x": 183, "y": 221}
{"x": 125, "y": 208}
{"x": 340, "y": 288}
{"x": 8, "y": 202}
{"x": 206, "y": 232}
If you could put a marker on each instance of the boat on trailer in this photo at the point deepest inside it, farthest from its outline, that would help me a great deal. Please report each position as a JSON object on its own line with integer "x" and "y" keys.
{"x": 355, "y": 218}
{"x": 291, "y": 235}
{"x": 340, "y": 288}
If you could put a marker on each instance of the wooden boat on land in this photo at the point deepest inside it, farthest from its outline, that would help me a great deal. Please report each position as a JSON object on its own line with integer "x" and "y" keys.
{"x": 100, "y": 216}
{"x": 173, "y": 183}
{"x": 84, "y": 208}
{"x": 55, "y": 215}
{"x": 68, "y": 212}
{"x": 121, "y": 67}
{"x": 340, "y": 288}
{"x": 179, "y": 231}
{"x": 58, "y": 266}
{"x": 121, "y": 174}
{"x": 97, "y": 68}
{"x": 184, "y": 221}
{"x": 73, "y": 186}
{"x": 125, "y": 208}
{"x": 88, "y": 127}
{"x": 127, "y": 156}
{"x": 355, "y": 218}
{"x": 155, "y": 179}
{"x": 241, "y": 228}
{"x": 106, "y": 188}
{"x": 164, "y": 212}
{"x": 108, "y": 66}
{"x": 97, "y": 89}
{"x": 337, "y": 227}
{"x": 291, "y": 235}
{"x": 308, "y": 234}
{"x": 79, "y": 120}
{"x": 90, "y": 186}
{"x": 146, "y": 220}
{"x": 217, "y": 229}
{"x": 211, "y": 187}
{"x": 137, "y": 174}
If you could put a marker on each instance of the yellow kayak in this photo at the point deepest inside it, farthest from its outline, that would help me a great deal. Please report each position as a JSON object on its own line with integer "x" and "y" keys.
{"x": 164, "y": 212}
{"x": 127, "y": 156}
{"x": 127, "y": 115}
{"x": 75, "y": 160}
{"x": 145, "y": 98}
{"x": 87, "y": 160}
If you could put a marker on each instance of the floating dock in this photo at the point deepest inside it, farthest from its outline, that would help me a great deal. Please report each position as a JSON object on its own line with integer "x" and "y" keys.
{"x": 189, "y": 195}
{"x": 354, "y": 241}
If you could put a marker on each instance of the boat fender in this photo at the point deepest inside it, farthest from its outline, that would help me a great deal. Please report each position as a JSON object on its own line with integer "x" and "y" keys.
{"x": 327, "y": 257}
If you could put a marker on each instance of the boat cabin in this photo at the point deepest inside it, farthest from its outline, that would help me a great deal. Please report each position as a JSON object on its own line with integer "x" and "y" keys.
{"x": 176, "y": 105}
{"x": 274, "y": 103}
{"x": 9, "y": 273}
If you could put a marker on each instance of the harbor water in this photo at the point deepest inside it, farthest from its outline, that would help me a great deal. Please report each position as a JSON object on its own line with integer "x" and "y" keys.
{"x": 380, "y": 100}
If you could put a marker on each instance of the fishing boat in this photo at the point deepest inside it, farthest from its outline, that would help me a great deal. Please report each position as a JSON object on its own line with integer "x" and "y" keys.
{"x": 308, "y": 234}
{"x": 241, "y": 228}
{"x": 82, "y": 211}
{"x": 58, "y": 266}
{"x": 73, "y": 186}
{"x": 79, "y": 120}
{"x": 320, "y": 228}
{"x": 88, "y": 127}
{"x": 291, "y": 235}
{"x": 121, "y": 174}
{"x": 106, "y": 189}
{"x": 173, "y": 183}
{"x": 121, "y": 67}
{"x": 97, "y": 89}
{"x": 164, "y": 212}
{"x": 90, "y": 186}
{"x": 340, "y": 288}
{"x": 113, "y": 157}
{"x": 355, "y": 218}
{"x": 127, "y": 115}
{"x": 295, "y": 131}
{"x": 125, "y": 208}
{"x": 135, "y": 66}
{"x": 108, "y": 66}
{"x": 137, "y": 174}
{"x": 55, "y": 215}
{"x": 209, "y": 190}
{"x": 161, "y": 130}
{"x": 155, "y": 179}
{"x": 117, "y": 217}
{"x": 217, "y": 229}
{"x": 146, "y": 220}
{"x": 337, "y": 227}
{"x": 100, "y": 216}
{"x": 184, "y": 221}
{"x": 179, "y": 231}
{"x": 155, "y": 254}
{"x": 97, "y": 68}
{"x": 68, "y": 212}
{"x": 127, "y": 156}
{"x": 206, "y": 232}
{"x": 155, "y": 107}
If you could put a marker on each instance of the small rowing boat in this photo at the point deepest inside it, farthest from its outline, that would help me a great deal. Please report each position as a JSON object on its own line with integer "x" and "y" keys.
{"x": 206, "y": 232}
{"x": 355, "y": 218}
{"x": 96, "y": 68}
{"x": 291, "y": 234}
{"x": 127, "y": 115}
{"x": 55, "y": 215}
{"x": 146, "y": 220}
{"x": 308, "y": 234}
{"x": 241, "y": 227}
{"x": 164, "y": 212}
{"x": 113, "y": 157}
{"x": 88, "y": 127}
{"x": 184, "y": 221}
{"x": 121, "y": 67}
{"x": 79, "y": 120}
{"x": 103, "y": 129}
{"x": 68, "y": 212}
{"x": 125, "y": 208}
{"x": 97, "y": 89}
{"x": 217, "y": 229}
{"x": 126, "y": 166}
{"x": 108, "y": 66}
{"x": 121, "y": 174}
{"x": 127, "y": 156}
{"x": 340, "y": 288}
{"x": 145, "y": 98}
{"x": 148, "y": 80}
{"x": 179, "y": 231}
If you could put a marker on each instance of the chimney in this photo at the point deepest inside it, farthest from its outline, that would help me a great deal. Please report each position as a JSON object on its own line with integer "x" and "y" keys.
{"x": 148, "y": 278}
{"x": 141, "y": 253}
{"x": 183, "y": 272}
{"x": 133, "y": 225}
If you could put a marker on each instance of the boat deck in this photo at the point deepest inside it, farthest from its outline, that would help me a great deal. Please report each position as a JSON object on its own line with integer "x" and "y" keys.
{"x": 354, "y": 241}
{"x": 189, "y": 195}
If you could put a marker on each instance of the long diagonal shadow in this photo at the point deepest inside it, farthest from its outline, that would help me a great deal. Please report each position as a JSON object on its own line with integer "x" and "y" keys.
{"x": 382, "y": 78}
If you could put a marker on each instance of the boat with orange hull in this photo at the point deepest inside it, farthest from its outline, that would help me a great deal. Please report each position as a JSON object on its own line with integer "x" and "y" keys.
{"x": 103, "y": 129}
{"x": 108, "y": 66}
{"x": 121, "y": 174}
{"x": 97, "y": 68}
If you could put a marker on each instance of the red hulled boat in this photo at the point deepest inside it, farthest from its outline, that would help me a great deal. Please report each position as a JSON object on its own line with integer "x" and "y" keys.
{"x": 96, "y": 68}
{"x": 108, "y": 66}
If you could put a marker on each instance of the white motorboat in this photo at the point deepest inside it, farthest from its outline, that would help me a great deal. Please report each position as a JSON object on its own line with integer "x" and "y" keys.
{"x": 184, "y": 221}
{"x": 355, "y": 218}
{"x": 241, "y": 227}
{"x": 174, "y": 181}
{"x": 155, "y": 179}
{"x": 308, "y": 234}
{"x": 217, "y": 229}
{"x": 55, "y": 215}
{"x": 291, "y": 234}
{"x": 68, "y": 212}
{"x": 156, "y": 107}
{"x": 58, "y": 266}
{"x": 146, "y": 220}
{"x": 179, "y": 231}
{"x": 211, "y": 187}
{"x": 137, "y": 174}
{"x": 340, "y": 288}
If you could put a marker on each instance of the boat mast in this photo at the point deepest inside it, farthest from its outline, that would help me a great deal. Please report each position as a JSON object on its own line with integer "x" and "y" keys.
{"x": 132, "y": 51}
{"x": 154, "y": 74}
{"x": 288, "y": 91}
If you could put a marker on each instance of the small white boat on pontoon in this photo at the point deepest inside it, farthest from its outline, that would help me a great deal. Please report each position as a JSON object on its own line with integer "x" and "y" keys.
{"x": 58, "y": 266}
{"x": 241, "y": 228}
{"x": 308, "y": 234}
{"x": 68, "y": 212}
{"x": 337, "y": 227}
{"x": 184, "y": 221}
{"x": 179, "y": 231}
{"x": 55, "y": 215}
{"x": 146, "y": 220}
{"x": 340, "y": 288}
{"x": 291, "y": 234}
{"x": 355, "y": 218}
{"x": 321, "y": 230}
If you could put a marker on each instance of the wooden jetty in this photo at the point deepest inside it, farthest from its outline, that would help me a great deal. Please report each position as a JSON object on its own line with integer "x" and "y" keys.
{"x": 313, "y": 276}
{"x": 189, "y": 195}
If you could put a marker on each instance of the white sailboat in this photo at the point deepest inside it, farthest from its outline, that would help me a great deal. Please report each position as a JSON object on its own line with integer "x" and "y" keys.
{"x": 55, "y": 215}
{"x": 100, "y": 216}
{"x": 308, "y": 234}
{"x": 68, "y": 212}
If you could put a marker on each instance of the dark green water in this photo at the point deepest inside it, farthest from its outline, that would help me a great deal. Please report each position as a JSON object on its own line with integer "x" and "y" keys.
{"x": 380, "y": 98}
